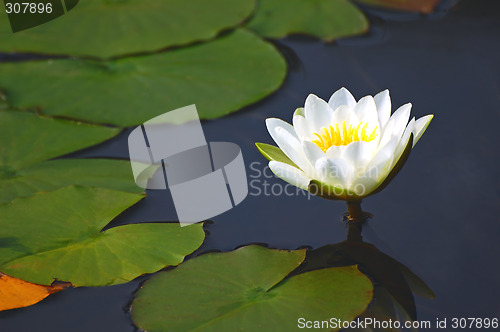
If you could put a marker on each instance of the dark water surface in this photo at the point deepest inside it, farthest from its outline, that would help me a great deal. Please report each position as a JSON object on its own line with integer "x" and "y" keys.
{"x": 440, "y": 216}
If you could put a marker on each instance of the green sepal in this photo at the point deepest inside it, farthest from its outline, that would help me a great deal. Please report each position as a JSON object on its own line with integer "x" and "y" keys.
{"x": 299, "y": 111}
{"x": 321, "y": 189}
{"x": 272, "y": 152}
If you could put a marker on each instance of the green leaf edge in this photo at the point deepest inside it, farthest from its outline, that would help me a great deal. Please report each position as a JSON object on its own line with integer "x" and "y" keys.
{"x": 273, "y": 153}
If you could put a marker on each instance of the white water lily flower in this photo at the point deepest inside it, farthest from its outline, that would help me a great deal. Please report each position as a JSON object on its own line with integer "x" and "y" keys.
{"x": 347, "y": 148}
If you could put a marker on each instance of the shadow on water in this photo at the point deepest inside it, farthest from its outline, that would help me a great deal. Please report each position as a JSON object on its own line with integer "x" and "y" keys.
{"x": 394, "y": 283}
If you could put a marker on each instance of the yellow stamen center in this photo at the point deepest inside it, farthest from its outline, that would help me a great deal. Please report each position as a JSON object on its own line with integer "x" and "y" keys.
{"x": 335, "y": 136}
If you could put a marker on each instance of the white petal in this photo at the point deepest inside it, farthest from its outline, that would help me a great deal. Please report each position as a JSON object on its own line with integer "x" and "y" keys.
{"x": 363, "y": 186}
{"x": 335, "y": 151}
{"x": 358, "y": 154}
{"x": 396, "y": 125}
{"x": 404, "y": 140}
{"x": 312, "y": 152}
{"x": 285, "y": 137}
{"x": 342, "y": 97}
{"x": 366, "y": 111}
{"x": 290, "y": 174}
{"x": 336, "y": 172}
{"x": 381, "y": 164}
{"x": 341, "y": 114}
{"x": 317, "y": 112}
{"x": 378, "y": 169}
{"x": 383, "y": 101}
{"x": 420, "y": 127}
{"x": 302, "y": 127}
{"x": 273, "y": 123}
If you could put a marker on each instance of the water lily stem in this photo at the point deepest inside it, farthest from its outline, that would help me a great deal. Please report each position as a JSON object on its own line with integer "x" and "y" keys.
{"x": 356, "y": 218}
{"x": 355, "y": 212}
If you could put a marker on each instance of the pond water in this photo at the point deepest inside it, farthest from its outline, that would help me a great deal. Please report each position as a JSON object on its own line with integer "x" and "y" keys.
{"x": 440, "y": 216}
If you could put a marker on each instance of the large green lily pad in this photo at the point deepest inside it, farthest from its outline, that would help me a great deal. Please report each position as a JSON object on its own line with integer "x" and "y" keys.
{"x": 57, "y": 235}
{"x": 29, "y": 140}
{"x": 106, "y": 28}
{"x": 245, "y": 290}
{"x": 55, "y": 174}
{"x": 219, "y": 77}
{"x": 325, "y": 19}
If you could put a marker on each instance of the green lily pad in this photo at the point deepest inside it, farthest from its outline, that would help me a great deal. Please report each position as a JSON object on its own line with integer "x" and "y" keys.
{"x": 55, "y": 174}
{"x": 245, "y": 290}
{"x": 325, "y": 19}
{"x": 272, "y": 152}
{"x": 106, "y": 28}
{"x": 219, "y": 77}
{"x": 4, "y": 105}
{"x": 57, "y": 235}
{"x": 28, "y": 138}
